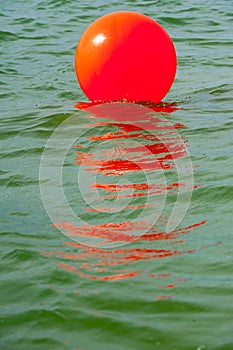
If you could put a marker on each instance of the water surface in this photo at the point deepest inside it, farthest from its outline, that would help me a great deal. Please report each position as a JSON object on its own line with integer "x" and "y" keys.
{"x": 163, "y": 291}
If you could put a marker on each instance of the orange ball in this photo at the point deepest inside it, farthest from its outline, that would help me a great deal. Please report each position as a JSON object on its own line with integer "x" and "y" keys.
{"x": 125, "y": 55}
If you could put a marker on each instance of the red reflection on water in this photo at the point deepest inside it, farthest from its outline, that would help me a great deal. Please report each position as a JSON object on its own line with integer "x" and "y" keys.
{"x": 103, "y": 264}
{"x": 144, "y": 188}
{"x": 98, "y": 264}
{"x": 109, "y": 231}
{"x": 107, "y": 209}
{"x": 162, "y": 148}
{"x": 128, "y": 129}
{"x": 116, "y": 277}
{"x": 118, "y": 167}
{"x": 173, "y": 235}
{"x": 167, "y": 146}
{"x": 160, "y": 107}
{"x": 140, "y": 190}
{"x": 113, "y": 232}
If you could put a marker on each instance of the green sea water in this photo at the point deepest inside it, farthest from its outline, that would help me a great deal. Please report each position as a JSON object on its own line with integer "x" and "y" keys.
{"x": 162, "y": 292}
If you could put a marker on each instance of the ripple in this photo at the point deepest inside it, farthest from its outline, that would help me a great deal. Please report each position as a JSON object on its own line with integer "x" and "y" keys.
{"x": 8, "y": 36}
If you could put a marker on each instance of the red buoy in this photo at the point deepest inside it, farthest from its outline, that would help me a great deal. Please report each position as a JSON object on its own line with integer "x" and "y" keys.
{"x": 125, "y": 56}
